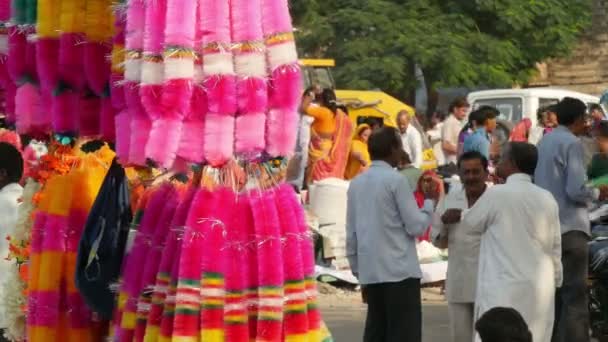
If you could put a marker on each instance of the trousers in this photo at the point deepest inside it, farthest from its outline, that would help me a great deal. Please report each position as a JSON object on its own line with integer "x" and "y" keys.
{"x": 571, "y": 302}
{"x": 461, "y": 321}
{"x": 394, "y": 312}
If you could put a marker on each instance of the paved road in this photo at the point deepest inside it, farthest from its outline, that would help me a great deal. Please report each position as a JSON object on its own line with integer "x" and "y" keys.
{"x": 346, "y": 321}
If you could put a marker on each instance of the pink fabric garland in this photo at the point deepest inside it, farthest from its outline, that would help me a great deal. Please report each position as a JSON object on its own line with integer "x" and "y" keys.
{"x": 250, "y": 67}
{"x": 285, "y": 88}
{"x": 219, "y": 81}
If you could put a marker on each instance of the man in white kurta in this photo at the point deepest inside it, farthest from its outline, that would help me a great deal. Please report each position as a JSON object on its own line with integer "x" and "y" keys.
{"x": 463, "y": 247}
{"x": 520, "y": 253}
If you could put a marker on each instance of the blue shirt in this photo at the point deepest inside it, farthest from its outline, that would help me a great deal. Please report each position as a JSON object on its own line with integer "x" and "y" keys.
{"x": 478, "y": 141}
{"x": 561, "y": 170}
{"x": 383, "y": 221}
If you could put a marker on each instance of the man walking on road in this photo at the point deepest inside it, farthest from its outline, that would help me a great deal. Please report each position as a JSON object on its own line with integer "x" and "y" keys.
{"x": 452, "y": 127}
{"x": 383, "y": 221}
{"x": 562, "y": 171}
{"x": 411, "y": 138}
{"x": 464, "y": 248}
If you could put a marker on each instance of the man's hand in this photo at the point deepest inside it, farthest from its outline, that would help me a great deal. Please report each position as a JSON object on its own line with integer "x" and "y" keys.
{"x": 603, "y": 192}
{"x": 451, "y": 216}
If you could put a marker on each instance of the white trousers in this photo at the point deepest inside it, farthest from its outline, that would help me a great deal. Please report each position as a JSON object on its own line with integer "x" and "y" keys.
{"x": 461, "y": 321}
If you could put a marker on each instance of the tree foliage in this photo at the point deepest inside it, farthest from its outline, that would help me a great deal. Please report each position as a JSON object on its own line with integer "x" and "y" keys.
{"x": 377, "y": 43}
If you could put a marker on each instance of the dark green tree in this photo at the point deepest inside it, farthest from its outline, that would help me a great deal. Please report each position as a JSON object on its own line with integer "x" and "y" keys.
{"x": 378, "y": 43}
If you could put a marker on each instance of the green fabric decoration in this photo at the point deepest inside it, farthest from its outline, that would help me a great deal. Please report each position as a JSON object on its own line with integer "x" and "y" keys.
{"x": 18, "y": 13}
{"x": 31, "y": 12}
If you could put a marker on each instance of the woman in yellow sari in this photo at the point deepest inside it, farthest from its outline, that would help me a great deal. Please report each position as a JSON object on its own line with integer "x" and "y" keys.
{"x": 359, "y": 159}
{"x": 330, "y": 134}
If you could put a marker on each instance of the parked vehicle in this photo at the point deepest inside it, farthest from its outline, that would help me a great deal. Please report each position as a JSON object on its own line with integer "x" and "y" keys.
{"x": 517, "y": 104}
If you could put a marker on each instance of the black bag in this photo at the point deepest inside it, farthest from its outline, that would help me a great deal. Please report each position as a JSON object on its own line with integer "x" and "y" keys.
{"x": 103, "y": 242}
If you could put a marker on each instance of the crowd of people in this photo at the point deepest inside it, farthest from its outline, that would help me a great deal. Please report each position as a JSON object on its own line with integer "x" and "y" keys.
{"x": 517, "y": 229}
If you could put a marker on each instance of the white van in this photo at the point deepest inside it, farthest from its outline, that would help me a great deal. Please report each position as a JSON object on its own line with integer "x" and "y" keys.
{"x": 516, "y": 104}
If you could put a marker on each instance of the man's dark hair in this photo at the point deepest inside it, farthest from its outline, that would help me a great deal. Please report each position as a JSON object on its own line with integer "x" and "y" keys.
{"x": 569, "y": 110}
{"x": 503, "y": 325}
{"x": 405, "y": 157}
{"x": 458, "y": 102}
{"x": 474, "y": 155}
{"x": 382, "y": 142}
{"x": 328, "y": 99}
{"x": 523, "y": 155}
{"x": 483, "y": 114}
{"x": 11, "y": 161}
{"x": 595, "y": 106}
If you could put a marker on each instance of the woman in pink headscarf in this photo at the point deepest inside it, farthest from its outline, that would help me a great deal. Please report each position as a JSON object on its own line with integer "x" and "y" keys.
{"x": 521, "y": 131}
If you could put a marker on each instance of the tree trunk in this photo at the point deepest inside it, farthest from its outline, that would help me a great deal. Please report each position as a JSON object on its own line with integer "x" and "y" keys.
{"x": 432, "y": 98}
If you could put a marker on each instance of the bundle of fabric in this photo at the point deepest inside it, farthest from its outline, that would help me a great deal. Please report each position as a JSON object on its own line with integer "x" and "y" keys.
{"x": 201, "y": 271}
{"x": 55, "y": 309}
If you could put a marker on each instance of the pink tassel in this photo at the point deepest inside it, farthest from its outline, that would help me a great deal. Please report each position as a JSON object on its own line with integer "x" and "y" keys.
{"x": 192, "y": 138}
{"x": 281, "y": 126}
{"x": 122, "y": 123}
{"x": 30, "y": 56}
{"x": 41, "y": 119}
{"x": 10, "y": 92}
{"x": 269, "y": 254}
{"x": 17, "y": 46}
{"x": 221, "y": 94}
{"x": 219, "y": 132}
{"x": 71, "y": 61}
{"x": 152, "y": 68}
{"x": 90, "y": 108}
{"x": 164, "y": 141}
{"x": 285, "y": 89}
{"x": 5, "y": 11}
{"x": 191, "y": 145}
{"x": 27, "y": 104}
{"x": 97, "y": 66}
{"x": 47, "y": 52}
{"x": 140, "y": 123}
{"x": 106, "y": 120}
{"x": 249, "y": 137}
{"x": 65, "y": 112}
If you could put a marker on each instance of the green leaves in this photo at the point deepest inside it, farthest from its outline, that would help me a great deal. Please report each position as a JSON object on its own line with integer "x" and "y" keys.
{"x": 455, "y": 43}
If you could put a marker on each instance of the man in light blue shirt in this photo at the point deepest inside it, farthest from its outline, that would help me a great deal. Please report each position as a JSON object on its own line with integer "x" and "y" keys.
{"x": 484, "y": 123}
{"x": 383, "y": 221}
{"x": 562, "y": 171}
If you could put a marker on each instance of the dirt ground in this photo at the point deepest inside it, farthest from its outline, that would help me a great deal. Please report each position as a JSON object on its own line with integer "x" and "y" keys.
{"x": 344, "y": 314}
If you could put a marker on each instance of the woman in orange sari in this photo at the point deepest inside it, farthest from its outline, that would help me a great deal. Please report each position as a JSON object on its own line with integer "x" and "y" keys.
{"x": 359, "y": 159}
{"x": 330, "y": 133}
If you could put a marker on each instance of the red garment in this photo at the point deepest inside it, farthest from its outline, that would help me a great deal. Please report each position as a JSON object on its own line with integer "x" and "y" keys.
{"x": 419, "y": 196}
{"x": 521, "y": 130}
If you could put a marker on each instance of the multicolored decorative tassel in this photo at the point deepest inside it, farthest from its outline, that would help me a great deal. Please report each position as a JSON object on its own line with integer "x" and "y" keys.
{"x": 71, "y": 52}
{"x": 27, "y": 105}
{"x": 236, "y": 316}
{"x": 220, "y": 81}
{"x": 269, "y": 254}
{"x": 152, "y": 263}
{"x": 285, "y": 88}
{"x": 124, "y": 329}
{"x": 163, "y": 278}
{"x": 308, "y": 264}
{"x": 47, "y": 48}
{"x": 295, "y": 323}
{"x": 250, "y": 67}
{"x": 186, "y": 324}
